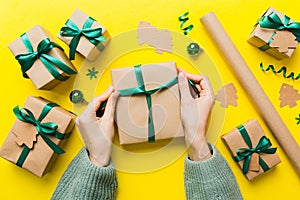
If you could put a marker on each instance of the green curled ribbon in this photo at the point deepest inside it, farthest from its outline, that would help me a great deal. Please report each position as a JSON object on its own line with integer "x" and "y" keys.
{"x": 94, "y": 35}
{"x": 282, "y": 70}
{"x": 44, "y": 129}
{"x": 263, "y": 146}
{"x": 26, "y": 60}
{"x": 140, "y": 89}
{"x": 183, "y": 19}
{"x": 272, "y": 21}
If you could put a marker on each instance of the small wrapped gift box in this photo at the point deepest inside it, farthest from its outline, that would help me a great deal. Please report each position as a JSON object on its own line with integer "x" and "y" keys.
{"x": 276, "y": 34}
{"x": 148, "y": 108}
{"x": 251, "y": 149}
{"x": 35, "y": 137}
{"x": 41, "y": 60}
{"x": 84, "y": 35}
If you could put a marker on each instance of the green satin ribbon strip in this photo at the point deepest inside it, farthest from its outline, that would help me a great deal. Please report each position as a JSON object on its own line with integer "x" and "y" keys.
{"x": 282, "y": 70}
{"x": 26, "y": 60}
{"x": 139, "y": 90}
{"x": 263, "y": 146}
{"x": 267, "y": 46}
{"x": 273, "y": 21}
{"x": 44, "y": 129}
{"x": 94, "y": 35}
{"x": 183, "y": 19}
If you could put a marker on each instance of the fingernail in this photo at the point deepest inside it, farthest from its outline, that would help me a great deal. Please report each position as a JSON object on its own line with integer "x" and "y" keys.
{"x": 181, "y": 76}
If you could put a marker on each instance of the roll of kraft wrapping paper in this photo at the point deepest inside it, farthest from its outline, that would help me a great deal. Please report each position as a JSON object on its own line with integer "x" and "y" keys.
{"x": 252, "y": 87}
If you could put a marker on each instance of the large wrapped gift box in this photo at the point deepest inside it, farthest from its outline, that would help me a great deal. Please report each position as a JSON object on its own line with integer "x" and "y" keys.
{"x": 251, "y": 149}
{"x": 36, "y": 136}
{"x": 276, "y": 34}
{"x": 148, "y": 108}
{"x": 41, "y": 60}
{"x": 84, "y": 35}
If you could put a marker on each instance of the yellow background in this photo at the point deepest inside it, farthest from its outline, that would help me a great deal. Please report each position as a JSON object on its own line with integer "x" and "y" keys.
{"x": 237, "y": 17}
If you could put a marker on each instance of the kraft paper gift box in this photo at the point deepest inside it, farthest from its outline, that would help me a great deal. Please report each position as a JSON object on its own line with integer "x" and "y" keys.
{"x": 275, "y": 34}
{"x": 248, "y": 136}
{"x": 47, "y": 68}
{"x": 84, "y": 35}
{"x": 31, "y": 145}
{"x": 132, "y": 112}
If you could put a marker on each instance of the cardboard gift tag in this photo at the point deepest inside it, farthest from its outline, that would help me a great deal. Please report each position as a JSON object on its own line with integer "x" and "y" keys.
{"x": 263, "y": 38}
{"x": 40, "y": 157}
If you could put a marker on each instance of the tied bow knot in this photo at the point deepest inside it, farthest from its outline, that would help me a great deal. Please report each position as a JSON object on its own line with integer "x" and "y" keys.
{"x": 27, "y": 59}
{"x": 94, "y": 35}
{"x": 27, "y": 116}
{"x": 272, "y": 21}
{"x": 44, "y": 129}
{"x": 263, "y": 146}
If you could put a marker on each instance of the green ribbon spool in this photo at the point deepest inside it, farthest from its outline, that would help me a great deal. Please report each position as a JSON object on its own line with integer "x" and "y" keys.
{"x": 140, "y": 89}
{"x": 26, "y": 60}
{"x": 263, "y": 146}
{"x": 94, "y": 35}
{"x": 272, "y": 21}
{"x": 44, "y": 129}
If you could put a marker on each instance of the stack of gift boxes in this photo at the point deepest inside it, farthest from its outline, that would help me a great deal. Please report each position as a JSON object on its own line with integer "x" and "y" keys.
{"x": 41, "y": 126}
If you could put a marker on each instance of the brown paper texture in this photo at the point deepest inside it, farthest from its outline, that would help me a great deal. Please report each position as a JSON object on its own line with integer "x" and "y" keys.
{"x": 260, "y": 37}
{"x": 234, "y": 141}
{"x": 41, "y": 155}
{"x": 38, "y": 73}
{"x": 85, "y": 47}
{"x": 132, "y": 112}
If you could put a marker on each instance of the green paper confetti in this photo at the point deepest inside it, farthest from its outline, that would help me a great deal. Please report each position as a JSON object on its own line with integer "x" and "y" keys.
{"x": 183, "y": 19}
{"x": 92, "y": 73}
{"x": 298, "y": 119}
{"x": 281, "y": 70}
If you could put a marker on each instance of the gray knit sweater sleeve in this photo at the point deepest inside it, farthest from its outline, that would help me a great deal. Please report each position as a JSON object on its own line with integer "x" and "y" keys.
{"x": 210, "y": 179}
{"x": 84, "y": 180}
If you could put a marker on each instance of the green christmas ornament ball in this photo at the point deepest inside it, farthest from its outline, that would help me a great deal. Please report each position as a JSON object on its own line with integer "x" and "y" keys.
{"x": 194, "y": 49}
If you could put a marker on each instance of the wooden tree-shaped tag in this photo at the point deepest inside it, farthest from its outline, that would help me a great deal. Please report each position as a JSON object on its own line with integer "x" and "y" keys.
{"x": 227, "y": 95}
{"x": 288, "y": 95}
{"x": 284, "y": 40}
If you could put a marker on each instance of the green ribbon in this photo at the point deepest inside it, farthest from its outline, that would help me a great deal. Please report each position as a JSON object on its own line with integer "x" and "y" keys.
{"x": 245, "y": 154}
{"x": 272, "y": 21}
{"x": 44, "y": 129}
{"x": 183, "y": 19}
{"x": 94, "y": 35}
{"x": 282, "y": 70}
{"x": 140, "y": 89}
{"x": 26, "y": 60}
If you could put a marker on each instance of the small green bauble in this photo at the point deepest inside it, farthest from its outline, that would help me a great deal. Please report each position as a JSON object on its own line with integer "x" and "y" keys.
{"x": 194, "y": 49}
{"x": 76, "y": 96}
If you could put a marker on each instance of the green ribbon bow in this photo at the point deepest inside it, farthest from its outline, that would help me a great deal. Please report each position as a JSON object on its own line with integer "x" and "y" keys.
{"x": 44, "y": 129}
{"x": 245, "y": 154}
{"x": 272, "y": 21}
{"x": 94, "y": 35}
{"x": 140, "y": 89}
{"x": 26, "y": 60}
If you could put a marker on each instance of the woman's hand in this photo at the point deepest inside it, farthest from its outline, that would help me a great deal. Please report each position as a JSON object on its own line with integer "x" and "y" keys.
{"x": 195, "y": 112}
{"x": 96, "y": 132}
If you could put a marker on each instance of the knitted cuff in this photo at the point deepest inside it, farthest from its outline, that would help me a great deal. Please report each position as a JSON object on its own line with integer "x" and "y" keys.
{"x": 84, "y": 180}
{"x": 210, "y": 179}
